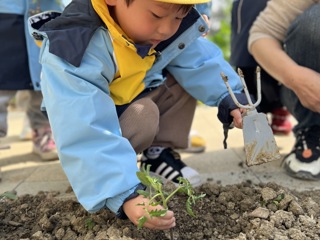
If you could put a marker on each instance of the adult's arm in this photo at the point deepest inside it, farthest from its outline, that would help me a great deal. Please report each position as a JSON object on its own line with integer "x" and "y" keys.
{"x": 304, "y": 81}
{"x": 265, "y": 44}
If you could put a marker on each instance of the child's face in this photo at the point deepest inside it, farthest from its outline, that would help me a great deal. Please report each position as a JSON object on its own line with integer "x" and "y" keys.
{"x": 147, "y": 21}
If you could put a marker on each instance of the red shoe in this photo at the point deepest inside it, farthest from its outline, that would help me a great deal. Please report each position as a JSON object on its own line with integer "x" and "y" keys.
{"x": 281, "y": 124}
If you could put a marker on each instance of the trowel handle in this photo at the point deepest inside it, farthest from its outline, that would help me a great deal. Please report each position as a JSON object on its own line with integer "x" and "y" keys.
{"x": 258, "y": 72}
{"x": 225, "y": 79}
{"x": 245, "y": 88}
{"x": 251, "y": 105}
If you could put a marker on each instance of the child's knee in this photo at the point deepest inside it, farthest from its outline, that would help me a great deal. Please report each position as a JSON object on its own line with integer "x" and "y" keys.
{"x": 140, "y": 123}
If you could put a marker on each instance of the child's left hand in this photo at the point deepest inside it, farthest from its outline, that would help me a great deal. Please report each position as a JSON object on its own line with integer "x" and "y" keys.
{"x": 237, "y": 117}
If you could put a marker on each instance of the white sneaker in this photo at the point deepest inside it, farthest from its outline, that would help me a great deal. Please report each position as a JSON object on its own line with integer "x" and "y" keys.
{"x": 304, "y": 160}
{"x": 169, "y": 166}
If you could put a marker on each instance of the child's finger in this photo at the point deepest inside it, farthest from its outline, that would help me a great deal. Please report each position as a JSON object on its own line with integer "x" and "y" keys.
{"x": 237, "y": 118}
{"x": 161, "y": 223}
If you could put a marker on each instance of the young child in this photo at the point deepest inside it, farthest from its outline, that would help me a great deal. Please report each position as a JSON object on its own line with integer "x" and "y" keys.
{"x": 121, "y": 77}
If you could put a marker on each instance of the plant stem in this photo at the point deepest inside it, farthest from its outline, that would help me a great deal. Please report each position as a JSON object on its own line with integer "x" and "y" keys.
{"x": 171, "y": 233}
{"x": 172, "y": 194}
{"x": 155, "y": 196}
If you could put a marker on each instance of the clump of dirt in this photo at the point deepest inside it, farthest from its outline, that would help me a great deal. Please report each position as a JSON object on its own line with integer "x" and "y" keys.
{"x": 238, "y": 212}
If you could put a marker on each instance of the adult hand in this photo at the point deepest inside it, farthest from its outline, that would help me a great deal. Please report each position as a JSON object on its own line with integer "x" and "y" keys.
{"x": 305, "y": 83}
{"x": 134, "y": 212}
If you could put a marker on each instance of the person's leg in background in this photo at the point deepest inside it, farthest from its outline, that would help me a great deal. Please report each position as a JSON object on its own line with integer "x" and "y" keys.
{"x": 5, "y": 97}
{"x": 43, "y": 143}
{"x": 22, "y": 102}
{"x": 280, "y": 116}
{"x": 303, "y": 46}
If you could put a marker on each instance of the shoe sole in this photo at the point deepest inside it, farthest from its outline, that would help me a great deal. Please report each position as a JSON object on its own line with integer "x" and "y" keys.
{"x": 279, "y": 133}
{"x": 192, "y": 150}
{"x": 4, "y": 147}
{"x": 304, "y": 175}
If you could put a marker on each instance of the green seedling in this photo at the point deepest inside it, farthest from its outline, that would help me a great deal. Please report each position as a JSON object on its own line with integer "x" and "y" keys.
{"x": 89, "y": 223}
{"x": 158, "y": 196}
{"x": 274, "y": 201}
{"x": 9, "y": 195}
{"x": 278, "y": 199}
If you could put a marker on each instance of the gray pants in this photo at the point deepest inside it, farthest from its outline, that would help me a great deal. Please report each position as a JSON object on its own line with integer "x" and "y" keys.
{"x": 302, "y": 44}
{"x": 35, "y": 116}
{"x": 161, "y": 118}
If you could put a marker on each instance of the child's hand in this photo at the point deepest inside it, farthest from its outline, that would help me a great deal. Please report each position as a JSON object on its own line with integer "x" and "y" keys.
{"x": 237, "y": 117}
{"x": 134, "y": 212}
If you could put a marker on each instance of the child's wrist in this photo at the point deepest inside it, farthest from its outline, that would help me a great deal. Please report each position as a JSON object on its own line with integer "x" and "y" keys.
{"x": 120, "y": 213}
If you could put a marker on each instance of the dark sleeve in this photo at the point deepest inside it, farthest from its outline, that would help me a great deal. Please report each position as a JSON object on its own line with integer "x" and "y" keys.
{"x": 227, "y": 105}
{"x": 121, "y": 214}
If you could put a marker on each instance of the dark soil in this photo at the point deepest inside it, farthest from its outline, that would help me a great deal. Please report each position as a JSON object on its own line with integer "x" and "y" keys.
{"x": 242, "y": 211}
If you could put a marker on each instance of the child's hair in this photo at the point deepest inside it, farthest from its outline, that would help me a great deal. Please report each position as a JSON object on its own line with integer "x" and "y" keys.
{"x": 185, "y": 8}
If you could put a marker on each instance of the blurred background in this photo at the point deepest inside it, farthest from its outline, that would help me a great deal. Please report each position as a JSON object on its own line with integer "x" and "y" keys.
{"x": 221, "y": 25}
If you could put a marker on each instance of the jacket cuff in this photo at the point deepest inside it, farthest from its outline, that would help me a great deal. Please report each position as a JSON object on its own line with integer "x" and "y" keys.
{"x": 120, "y": 213}
{"x": 116, "y": 202}
{"x": 227, "y": 105}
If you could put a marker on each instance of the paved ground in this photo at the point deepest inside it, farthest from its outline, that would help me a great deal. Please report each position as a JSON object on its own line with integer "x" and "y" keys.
{"x": 25, "y": 173}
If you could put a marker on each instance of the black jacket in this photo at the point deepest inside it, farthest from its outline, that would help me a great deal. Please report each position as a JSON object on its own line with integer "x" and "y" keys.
{"x": 244, "y": 13}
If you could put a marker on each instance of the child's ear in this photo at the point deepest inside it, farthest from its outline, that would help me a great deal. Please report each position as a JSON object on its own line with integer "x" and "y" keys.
{"x": 111, "y": 2}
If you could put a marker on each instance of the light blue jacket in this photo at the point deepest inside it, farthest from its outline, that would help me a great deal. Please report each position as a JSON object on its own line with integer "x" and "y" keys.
{"x": 100, "y": 164}
{"x": 22, "y": 7}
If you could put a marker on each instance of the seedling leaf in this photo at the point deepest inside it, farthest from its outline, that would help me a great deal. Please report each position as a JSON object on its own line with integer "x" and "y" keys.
{"x": 189, "y": 208}
{"x": 157, "y": 195}
{"x": 154, "y": 203}
{"x": 158, "y": 212}
{"x": 143, "y": 178}
{"x": 89, "y": 223}
{"x": 142, "y": 221}
{"x": 143, "y": 193}
{"x": 279, "y": 197}
{"x": 9, "y": 195}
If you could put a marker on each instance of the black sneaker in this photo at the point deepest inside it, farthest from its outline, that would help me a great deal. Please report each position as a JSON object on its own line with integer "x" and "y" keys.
{"x": 304, "y": 160}
{"x": 169, "y": 166}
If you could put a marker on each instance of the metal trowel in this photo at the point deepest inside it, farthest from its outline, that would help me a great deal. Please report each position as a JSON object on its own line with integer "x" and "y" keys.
{"x": 259, "y": 142}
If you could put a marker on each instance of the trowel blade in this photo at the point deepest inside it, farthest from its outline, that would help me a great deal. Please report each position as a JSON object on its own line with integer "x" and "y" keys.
{"x": 259, "y": 141}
